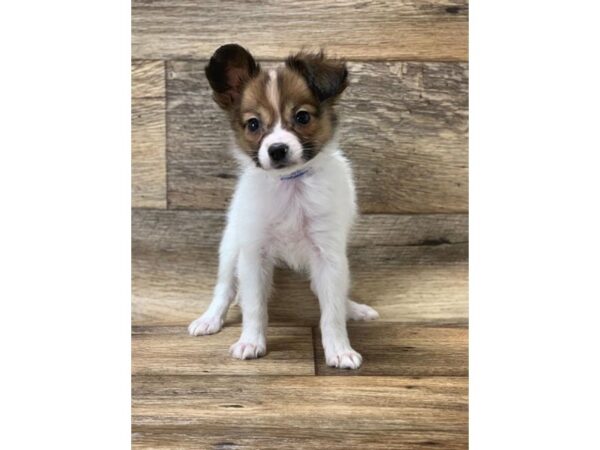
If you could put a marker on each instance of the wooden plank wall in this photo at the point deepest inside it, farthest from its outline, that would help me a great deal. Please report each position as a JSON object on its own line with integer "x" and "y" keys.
{"x": 404, "y": 126}
{"x": 148, "y": 129}
{"x": 430, "y": 30}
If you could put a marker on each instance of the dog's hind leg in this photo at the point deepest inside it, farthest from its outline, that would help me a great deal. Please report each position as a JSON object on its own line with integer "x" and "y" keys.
{"x": 357, "y": 311}
{"x": 212, "y": 320}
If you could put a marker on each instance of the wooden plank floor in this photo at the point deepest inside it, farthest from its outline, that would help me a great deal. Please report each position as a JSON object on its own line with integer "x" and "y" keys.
{"x": 411, "y": 391}
{"x": 410, "y": 268}
{"x": 171, "y": 351}
{"x": 291, "y": 412}
{"x": 188, "y": 394}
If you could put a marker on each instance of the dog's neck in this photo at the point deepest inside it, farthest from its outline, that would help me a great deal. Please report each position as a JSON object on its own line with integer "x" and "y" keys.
{"x": 295, "y": 174}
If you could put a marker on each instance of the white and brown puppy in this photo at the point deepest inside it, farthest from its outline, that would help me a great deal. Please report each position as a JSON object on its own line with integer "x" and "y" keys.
{"x": 294, "y": 202}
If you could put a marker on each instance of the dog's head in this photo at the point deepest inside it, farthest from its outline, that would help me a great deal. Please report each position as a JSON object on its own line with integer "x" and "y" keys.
{"x": 281, "y": 117}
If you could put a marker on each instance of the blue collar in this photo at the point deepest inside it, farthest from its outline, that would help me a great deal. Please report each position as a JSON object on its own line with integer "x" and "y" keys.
{"x": 296, "y": 174}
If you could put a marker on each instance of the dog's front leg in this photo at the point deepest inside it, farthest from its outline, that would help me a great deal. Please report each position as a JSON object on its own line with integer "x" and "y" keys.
{"x": 330, "y": 279}
{"x": 255, "y": 273}
{"x": 212, "y": 320}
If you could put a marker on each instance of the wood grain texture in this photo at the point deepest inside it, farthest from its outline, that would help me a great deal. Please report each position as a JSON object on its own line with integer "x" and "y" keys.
{"x": 148, "y": 159}
{"x": 148, "y": 135}
{"x": 403, "y": 350}
{"x": 299, "y": 412}
{"x": 408, "y": 268}
{"x": 186, "y": 228}
{"x": 172, "y": 351}
{"x": 387, "y": 29}
{"x": 404, "y": 126}
{"x": 147, "y": 79}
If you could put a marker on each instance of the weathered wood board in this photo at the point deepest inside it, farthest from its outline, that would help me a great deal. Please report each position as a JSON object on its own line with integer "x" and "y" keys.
{"x": 291, "y": 412}
{"x": 147, "y": 79}
{"x": 431, "y": 30}
{"x": 148, "y": 135}
{"x": 404, "y": 127}
{"x": 410, "y": 268}
{"x": 403, "y": 350}
{"x": 172, "y": 351}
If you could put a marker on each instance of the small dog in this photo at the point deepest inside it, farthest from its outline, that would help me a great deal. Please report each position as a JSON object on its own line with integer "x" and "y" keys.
{"x": 295, "y": 199}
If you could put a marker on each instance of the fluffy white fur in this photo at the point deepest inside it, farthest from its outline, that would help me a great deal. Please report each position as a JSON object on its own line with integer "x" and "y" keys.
{"x": 303, "y": 222}
{"x": 280, "y": 136}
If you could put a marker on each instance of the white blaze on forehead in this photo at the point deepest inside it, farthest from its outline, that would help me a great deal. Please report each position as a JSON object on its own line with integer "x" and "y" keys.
{"x": 277, "y": 134}
{"x": 273, "y": 90}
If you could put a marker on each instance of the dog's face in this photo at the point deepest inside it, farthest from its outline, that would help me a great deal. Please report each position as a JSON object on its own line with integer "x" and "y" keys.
{"x": 282, "y": 117}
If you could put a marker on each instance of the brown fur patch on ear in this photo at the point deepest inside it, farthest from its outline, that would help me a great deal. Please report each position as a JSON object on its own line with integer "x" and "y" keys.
{"x": 327, "y": 78}
{"x": 228, "y": 70}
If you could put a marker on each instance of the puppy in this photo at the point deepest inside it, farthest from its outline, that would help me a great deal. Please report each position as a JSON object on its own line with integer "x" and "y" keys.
{"x": 294, "y": 201}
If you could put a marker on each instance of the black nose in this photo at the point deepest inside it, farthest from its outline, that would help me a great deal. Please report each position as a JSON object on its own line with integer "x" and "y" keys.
{"x": 278, "y": 152}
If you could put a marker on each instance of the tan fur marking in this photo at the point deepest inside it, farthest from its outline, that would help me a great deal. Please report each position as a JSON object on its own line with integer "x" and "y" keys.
{"x": 276, "y": 96}
{"x": 254, "y": 104}
{"x": 295, "y": 96}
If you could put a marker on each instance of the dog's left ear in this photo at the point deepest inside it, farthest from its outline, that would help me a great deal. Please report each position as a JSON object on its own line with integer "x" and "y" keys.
{"x": 326, "y": 78}
{"x": 228, "y": 70}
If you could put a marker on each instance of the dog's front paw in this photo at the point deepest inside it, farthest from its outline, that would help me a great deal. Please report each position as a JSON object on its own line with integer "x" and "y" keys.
{"x": 205, "y": 325}
{"x": 344, "y": 360}
{"x": 248, "y": 349}
{"x": 359, "y": 311}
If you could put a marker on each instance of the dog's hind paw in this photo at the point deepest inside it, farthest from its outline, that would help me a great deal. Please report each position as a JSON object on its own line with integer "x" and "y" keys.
{"x": 359, "y": 311}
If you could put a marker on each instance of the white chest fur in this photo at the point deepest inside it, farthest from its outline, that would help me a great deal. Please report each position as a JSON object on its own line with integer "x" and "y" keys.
{"x": 291, "y": 218}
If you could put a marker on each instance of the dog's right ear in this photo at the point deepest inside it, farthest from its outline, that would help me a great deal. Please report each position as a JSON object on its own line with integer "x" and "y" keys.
{"x": 326, "y": 78}
{"x": 228, "y": 70}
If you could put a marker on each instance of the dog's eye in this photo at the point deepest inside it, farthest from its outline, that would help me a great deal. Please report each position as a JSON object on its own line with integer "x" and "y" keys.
{"x": 253, "y": 125}
{"x": 302, "y": 117}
